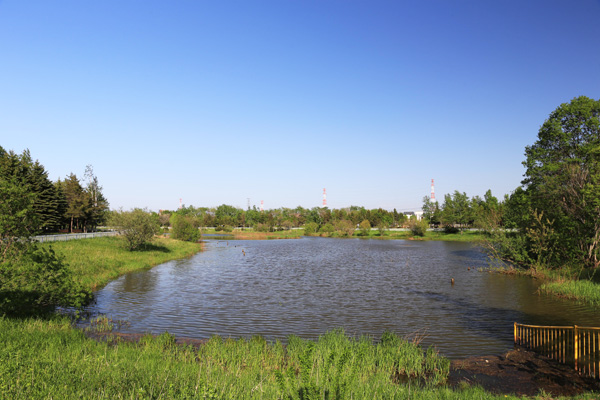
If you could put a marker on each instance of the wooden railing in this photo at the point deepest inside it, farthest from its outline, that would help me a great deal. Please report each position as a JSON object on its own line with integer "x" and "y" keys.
{"x": 578, "y": 346}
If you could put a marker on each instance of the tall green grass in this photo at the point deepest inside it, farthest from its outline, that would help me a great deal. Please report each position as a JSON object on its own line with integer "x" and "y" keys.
{"x": 580, "y": 290}
{"x": 97, "y": 261}
{"x": 49, "y": 359}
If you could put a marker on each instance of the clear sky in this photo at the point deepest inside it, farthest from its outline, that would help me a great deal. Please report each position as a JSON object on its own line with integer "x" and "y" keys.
{"x": 216, "y": 102}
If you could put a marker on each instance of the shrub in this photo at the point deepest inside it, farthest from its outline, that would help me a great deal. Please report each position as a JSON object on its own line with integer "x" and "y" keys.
{"x": 183, "y": 228}
{"x": 36, "y": 282}
{"x": 224, "y": 228}
{"x": 345, "y": 227}
{"x": 137, "y": 226}
{"x": 311, "y": 228}
{"x": 327, "y": 229}
{"x": 450, "y": 229}
{"x": 261, "y": 228}
{"x": 418, "y": 228}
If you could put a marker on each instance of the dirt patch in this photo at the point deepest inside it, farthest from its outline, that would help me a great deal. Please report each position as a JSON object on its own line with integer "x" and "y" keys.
{"x": 520, "y": 372}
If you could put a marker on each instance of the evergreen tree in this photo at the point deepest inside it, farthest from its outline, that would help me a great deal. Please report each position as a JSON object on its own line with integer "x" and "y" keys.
{"x": 46, "y": 200}
{"x": 77, "y": 201}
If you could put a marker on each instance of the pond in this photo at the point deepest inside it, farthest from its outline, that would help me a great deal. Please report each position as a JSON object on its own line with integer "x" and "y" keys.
{"x": 312, "y": 285}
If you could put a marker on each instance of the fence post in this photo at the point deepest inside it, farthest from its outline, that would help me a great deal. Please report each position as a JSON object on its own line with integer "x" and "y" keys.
{"x": 515, "y": 332}
{"x": 576, "y": 347}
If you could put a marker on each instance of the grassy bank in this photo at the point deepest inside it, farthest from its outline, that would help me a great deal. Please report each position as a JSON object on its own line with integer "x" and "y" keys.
{"x": 568, "y": 285}
{"x": 580, "y": 290}
{"x": 97, "y": 261}
{"x": 49, "y": 359}
{"x": 583, "y": 286}
{"x": 248, "y": 233}
{"x": 467, "y": 236}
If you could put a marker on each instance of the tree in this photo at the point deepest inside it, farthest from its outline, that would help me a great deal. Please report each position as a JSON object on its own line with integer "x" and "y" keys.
{"x": 562, "y": 181}
{"x": 97, "y": 209}
{"x": 47, "y": 202}
{"x": 77, "y": 201}
{"x": 32, "y": 279}
{"x": 311, "y": 228}
{"x": 431, "y": 211}
{"x": 18, "y": 220}
{"x": 365, "y": 227}
{"x": 137, "y": 226}
{"x": 226, "y": 215}
{"x": 456, "y": 210}
{"x": 345, "y": 227}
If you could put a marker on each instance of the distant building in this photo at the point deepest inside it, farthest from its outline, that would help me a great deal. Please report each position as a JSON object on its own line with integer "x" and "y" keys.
{"x": 416, "y": 214}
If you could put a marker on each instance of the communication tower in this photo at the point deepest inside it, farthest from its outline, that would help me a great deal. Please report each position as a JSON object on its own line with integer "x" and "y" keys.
{"x": 432, "y": 192}
{"x": 262, "y": 205}
{"x": 324, "y": 198}
{"x": 180, "y": 203}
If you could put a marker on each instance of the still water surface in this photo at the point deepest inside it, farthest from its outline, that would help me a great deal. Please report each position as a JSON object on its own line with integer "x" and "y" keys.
{"x": 311, "y": 285}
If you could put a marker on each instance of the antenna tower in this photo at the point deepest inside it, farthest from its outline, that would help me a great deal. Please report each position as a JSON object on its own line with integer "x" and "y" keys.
{"x": 324, "y": 198}
{"x": 262, "y": 205}
{"x": 180, "y": 203}
{"x": 432, "y": 192}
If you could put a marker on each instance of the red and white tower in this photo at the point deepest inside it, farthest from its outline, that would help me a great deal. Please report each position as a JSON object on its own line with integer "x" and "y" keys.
{"x": 432, "y": 192}
{"x": 180, "y": 203}
{"x": 262, "y": 205}
{"x": 324, "y": 198}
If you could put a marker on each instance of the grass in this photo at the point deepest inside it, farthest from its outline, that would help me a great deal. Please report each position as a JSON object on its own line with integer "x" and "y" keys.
{"x": 565, "y": 284}
{"x": 582, "y": 290}
{"x": 97, "y": 261}
{"x": 49, "y": 359}
{"x": 466, "y": 236}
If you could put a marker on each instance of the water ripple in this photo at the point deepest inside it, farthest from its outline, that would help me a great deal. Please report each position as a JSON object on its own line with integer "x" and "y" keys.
{"x": 309, "y": 286}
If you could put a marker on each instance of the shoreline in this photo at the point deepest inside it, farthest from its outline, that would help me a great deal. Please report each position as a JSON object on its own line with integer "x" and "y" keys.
{"x": 517, "y": 372}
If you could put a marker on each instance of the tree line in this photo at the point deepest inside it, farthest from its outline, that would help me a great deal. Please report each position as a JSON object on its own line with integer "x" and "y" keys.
{"x": 225, "y": 217}
{"x": 63, "y": 206}
{"x": 33, "y": 278}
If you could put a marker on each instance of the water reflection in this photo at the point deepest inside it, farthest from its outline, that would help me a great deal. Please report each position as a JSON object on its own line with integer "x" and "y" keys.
{"x": 312, "y": 285}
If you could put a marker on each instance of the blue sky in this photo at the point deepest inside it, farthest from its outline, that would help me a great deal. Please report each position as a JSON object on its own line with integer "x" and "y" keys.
{"x": 216, "y": 102}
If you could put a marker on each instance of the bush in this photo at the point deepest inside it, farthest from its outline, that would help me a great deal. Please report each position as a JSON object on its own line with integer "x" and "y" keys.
{"x": 345, "y": 228}
{"x": 137, "y": 226}
{"x": 311, "y": 228}
{"x": 327, "y": 229}
{"x": 450, "y": 229}
{"x": 36, "y": 282}
{"x": 183, "y": 228}
{"x": 224, "y": 228}
{"x": 261, "y": 228}
{"x": 418, "y": 228}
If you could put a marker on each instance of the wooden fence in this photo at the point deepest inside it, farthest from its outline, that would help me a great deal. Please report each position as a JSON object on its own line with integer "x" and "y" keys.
{"x": 578, "y": 346}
